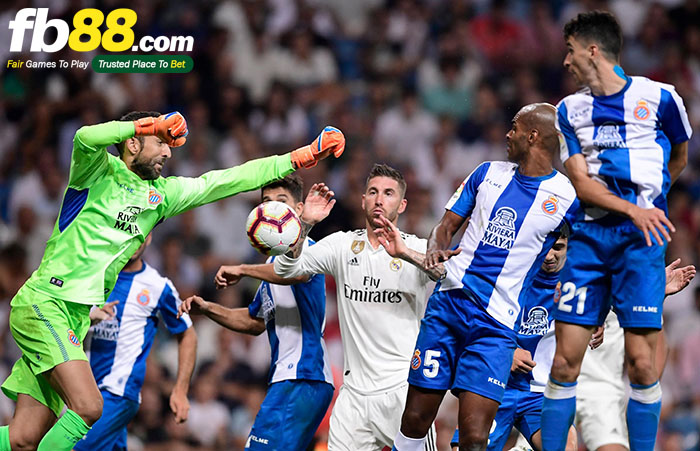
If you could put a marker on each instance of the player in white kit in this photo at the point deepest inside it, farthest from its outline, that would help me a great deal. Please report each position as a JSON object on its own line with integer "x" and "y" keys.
{"x": 381, "y": 300}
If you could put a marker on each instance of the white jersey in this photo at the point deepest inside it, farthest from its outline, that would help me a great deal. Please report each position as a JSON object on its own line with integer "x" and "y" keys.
{"x": 381, "y": 301}
{"x": 601, "y": 370}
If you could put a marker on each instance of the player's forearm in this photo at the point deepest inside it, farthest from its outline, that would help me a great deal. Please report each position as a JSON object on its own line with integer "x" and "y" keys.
{"x": 593, "y": 193}
{"x": 237, "y": 320}
{"x": 288, "y": 267}
{"x": 440, "y": 238}
{"x": 222, "y": 183}
{"x": 186, "y": 357}
{"x": 295, "y": 252}
{"x": 678, "y": 160}
{"x": 417, "y": 258}
{"x": 99, "y": 136}
{"x": 266, "y": 272}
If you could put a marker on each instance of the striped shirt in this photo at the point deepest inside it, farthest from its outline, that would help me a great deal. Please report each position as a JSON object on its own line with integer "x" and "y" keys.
{"x": 118, "y": 348}
{"x": 626, "y": 139}
{"x": 513, "y": 222}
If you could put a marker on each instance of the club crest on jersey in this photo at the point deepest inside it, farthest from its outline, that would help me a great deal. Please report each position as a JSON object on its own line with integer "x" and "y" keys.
{"x": 641, "y": 111}
{"x": 357, "y": 246}
{"x": 550, "y": 205}
{"x": 154, "y": 197}
{"x": 608, "y": 136}
{"x": 537, "y": 322}
{"x": 415, "y": 360}
{"x": 74, "y": 340}
{"x": 395, "y": 264}
{"x": 500, "y": 231}
{"x": 144, "y": 297}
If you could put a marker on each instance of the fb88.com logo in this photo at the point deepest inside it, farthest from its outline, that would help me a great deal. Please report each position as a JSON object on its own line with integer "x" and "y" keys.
{"x": 86, "y": 22}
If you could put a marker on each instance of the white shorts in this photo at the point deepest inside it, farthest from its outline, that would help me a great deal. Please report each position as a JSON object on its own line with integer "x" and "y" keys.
{"x": 369, "y": 422}
{"x": 601, "y": 419}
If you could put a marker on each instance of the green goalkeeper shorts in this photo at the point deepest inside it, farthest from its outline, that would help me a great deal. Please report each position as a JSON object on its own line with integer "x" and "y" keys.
{"x": 48, "y": 332}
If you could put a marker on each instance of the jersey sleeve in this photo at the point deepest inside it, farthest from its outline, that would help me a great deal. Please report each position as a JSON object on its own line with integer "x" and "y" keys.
{"x": 167, "y": 305}
{"x": 89, "y": 158}
{"x": 185, "y": 193}
{"x": 568, "y": 142}
{"x": 463, "y": 200}
{"x": 321, "y": 258}
{"x": 673, "y": 117}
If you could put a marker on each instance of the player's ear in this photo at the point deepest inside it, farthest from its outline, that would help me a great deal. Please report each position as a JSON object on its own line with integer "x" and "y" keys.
{"x": 363, "y": 201}
{"x": 133, "y": 145}
{"x": 532, "y": 136}
{"x": 298, "y": 208}
{"x": 593, "y": 50}
{"x": 402, "y": 205}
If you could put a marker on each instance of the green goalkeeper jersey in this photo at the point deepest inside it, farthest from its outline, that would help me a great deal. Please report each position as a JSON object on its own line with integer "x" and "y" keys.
{"x": 108, "y": 211}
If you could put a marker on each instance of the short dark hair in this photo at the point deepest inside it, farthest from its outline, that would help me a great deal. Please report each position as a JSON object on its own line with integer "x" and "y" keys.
{"x": 384, "y": 170}
{"x": 130, "y": 117}
{"x": 565, "y": 231}
{"x": 292, "y": 183}
{"x": 600, "y": 27}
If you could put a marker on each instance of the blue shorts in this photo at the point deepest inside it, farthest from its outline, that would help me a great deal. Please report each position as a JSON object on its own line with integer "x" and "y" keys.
{"x": 290, "y": 414}
{"x": 461, "y": 347}
{"x": 519, "y": 408}
{"x": 109, "y": 432}
{"x": 612, "y": 266}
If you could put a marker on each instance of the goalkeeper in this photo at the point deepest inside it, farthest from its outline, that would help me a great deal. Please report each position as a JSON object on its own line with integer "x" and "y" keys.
{"x": 109, "y": 207}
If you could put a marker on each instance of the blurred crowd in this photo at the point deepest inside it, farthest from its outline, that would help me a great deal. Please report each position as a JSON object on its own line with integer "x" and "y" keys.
{"x": 429, "y": 86}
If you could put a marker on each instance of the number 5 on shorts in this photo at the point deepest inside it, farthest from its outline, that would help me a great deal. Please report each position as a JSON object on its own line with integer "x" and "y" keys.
{"x": 431, "y": 364}
{"x": 569, "y": 291}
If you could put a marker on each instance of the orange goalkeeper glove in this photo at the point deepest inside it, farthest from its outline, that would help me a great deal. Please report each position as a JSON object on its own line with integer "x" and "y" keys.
{"x": 171, "y": 128}
{"x": 330, "y": 140}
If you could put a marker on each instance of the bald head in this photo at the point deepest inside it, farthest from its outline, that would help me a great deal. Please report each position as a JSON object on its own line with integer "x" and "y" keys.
{"x": 540, "y": 117}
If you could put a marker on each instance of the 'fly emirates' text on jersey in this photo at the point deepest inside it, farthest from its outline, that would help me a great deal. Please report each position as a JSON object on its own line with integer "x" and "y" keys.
{"x": 108, "y": 210}
{"x": 626, "y": 139}
{"x": 513, "y": 222}
{"x": 381, "y": 301}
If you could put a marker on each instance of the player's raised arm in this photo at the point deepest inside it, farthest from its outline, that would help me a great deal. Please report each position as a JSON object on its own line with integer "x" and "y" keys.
{"x": 390, "y": 238}
{"x": 317, "y": 206}
{"x": 228, "y": 275}
{"x": 184, "y": 193}
{"x": 652, "y": 221}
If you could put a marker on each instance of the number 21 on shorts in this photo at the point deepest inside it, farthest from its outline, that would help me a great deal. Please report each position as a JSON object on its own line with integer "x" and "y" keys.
{"x": 568, "y": 293}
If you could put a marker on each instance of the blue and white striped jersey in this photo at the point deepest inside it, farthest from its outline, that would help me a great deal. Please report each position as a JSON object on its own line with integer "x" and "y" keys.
{"x": 295, "y": 317}
{"x": 535, "y": 331}
{"x": 626, "y": 139}
{"x": 118, "y": 348}
{"x": 513, "y": 222}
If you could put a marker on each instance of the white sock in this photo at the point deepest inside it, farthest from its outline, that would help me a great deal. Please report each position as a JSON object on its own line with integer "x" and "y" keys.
{"x": 403, "y": 443}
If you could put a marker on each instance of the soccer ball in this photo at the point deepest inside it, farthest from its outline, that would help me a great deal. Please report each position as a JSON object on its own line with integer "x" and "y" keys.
{"x": 273, "y": 228}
